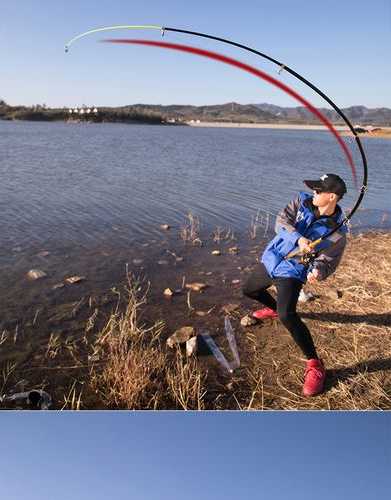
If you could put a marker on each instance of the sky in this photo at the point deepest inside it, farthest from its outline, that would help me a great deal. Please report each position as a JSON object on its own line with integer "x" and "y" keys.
{"x": 188, "y": 456}
{"x": 342, "y": 47}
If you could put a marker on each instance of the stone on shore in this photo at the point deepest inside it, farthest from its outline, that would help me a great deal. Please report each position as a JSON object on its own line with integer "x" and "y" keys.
{"x": 180, "y": 336}
{"x": 230, "y": 308}
{"x": 248, "y": 321}
{"x": 191, "y": 346}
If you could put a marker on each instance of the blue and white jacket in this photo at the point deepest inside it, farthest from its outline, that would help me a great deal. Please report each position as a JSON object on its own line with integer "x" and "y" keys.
{"x": 296, "y": 220}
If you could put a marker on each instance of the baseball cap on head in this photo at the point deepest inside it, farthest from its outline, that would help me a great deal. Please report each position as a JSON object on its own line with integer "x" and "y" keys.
{"x": 328, "y": 183}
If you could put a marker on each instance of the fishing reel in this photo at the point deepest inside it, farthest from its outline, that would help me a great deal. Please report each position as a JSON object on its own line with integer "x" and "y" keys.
{"x": 307, "y": 258}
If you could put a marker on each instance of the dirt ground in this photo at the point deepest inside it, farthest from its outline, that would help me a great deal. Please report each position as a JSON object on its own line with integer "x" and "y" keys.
{"x": 349, "y": 318}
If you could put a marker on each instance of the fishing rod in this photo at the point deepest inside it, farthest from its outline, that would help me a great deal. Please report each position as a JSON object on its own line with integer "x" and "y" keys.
{"x": 282, "y": 67}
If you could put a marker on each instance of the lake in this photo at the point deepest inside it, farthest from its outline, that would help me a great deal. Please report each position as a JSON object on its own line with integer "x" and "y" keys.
{"x": 78, "y": 184}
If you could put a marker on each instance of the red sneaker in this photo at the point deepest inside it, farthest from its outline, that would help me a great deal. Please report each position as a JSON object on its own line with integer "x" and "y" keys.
{"x": 265, "y": 313}
{"x": 315, "y": 375}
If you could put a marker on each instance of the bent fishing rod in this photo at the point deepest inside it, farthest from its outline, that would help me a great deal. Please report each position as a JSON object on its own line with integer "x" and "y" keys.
{"x": 282, "y": 67}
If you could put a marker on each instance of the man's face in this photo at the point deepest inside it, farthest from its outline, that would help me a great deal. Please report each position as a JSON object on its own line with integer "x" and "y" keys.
{"x": 322, "y": 199}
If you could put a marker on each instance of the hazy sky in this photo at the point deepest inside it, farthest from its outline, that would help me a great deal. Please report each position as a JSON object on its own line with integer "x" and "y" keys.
{"x": 209, "y": 456}
{"x": 342, "y": 46}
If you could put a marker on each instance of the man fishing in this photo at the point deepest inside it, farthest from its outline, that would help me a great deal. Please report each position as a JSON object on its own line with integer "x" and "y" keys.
{"x": 303, "y": 220}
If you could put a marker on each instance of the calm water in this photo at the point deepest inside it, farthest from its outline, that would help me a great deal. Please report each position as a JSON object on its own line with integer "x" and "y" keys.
{"x": 83, "y": 184}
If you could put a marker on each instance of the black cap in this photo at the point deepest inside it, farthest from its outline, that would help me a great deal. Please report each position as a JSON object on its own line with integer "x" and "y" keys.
{"x": 328, "y": 183}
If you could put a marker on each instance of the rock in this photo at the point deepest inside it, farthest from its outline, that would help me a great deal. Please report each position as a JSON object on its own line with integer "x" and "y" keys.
{"x": 179, "y": 259}
{"x": 36, "y": 274}
{"x": 165, "y": 227}
{"x": 196, "y": 287}
{"x": 248, "y": 321}
{"x": 17, "y": 249}
{"x": 235, "y": 282}
{"x": 209, "y": 273}
{"x": 44, "y": 253}
{"x": 168, "y": 292}
{"x": 216, "y": 252}
{"x": 230, "y": 308}
{"x": 191, "y": 346}
{"x": 180, "y": 336}
{"x": 162, "y": 262}
{"x": 305, "y": 296}
{"x": 233, "y": 250}
{"x": 58, "y": 285}
{"x": 65, "y": 312}
{"x": 201, "y": 313}
{"x": 75, "y": 279}
{"x": 137, "y": 262}
{"x": 333, "y": 293}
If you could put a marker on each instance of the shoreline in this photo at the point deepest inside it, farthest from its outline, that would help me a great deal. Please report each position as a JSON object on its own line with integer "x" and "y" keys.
{"x": 283, "y": 126}
{"x": 384, "y": 133}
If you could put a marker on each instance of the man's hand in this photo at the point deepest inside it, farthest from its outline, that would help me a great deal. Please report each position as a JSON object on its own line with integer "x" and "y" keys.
{"x": 313, "y": 276}
{"x": 304, "y": 244}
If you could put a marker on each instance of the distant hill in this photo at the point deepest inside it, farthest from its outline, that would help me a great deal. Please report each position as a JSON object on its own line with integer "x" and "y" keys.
{"x": 229, "y": 112}
{"x": 356, "y": 114}
{"x": 245, "y": 113}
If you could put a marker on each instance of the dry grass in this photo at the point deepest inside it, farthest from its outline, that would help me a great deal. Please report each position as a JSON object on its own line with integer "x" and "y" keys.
{"x": 220, "y": 234}
{"x": 190, "y": 231}
{"x": 260, "y": 220}
{"x": 131, "y": 369}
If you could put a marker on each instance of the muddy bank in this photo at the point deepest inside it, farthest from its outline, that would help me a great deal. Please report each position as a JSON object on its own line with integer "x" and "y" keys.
{"x": 48, "y": 338}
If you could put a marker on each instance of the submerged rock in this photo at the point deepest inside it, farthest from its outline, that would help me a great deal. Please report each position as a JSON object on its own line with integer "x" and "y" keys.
{"x": 75, "y": 279}
{"x": 180, "y": 336}
{"x": 65, "y": 312}
{"x": 44, "y": 253}
{"x": 58, "y": 285}
{"x": 196, "y": 287}
{"x": 36, "y": 274}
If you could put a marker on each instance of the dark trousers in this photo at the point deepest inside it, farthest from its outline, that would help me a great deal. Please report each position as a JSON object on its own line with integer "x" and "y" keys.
{"x": 288, "y": 290}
